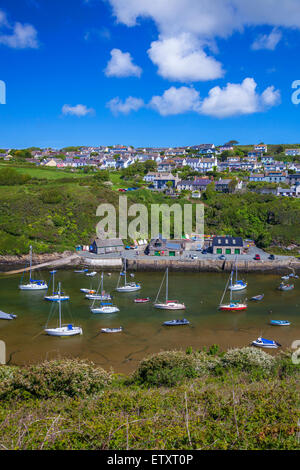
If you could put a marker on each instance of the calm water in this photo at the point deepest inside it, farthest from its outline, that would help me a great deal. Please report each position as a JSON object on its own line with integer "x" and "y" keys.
{"x": 143, "y": 330}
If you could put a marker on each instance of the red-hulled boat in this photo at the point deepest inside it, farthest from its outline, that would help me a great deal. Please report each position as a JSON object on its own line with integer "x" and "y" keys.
{"x": 142, "y": 301}
{"x": 233, "y": 305}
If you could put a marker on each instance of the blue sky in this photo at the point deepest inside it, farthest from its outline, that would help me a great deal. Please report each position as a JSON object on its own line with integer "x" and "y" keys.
{"x": 151, "y": 73}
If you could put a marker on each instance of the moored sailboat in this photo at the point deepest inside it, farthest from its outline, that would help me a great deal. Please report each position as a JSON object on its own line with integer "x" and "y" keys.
{"x": 33, "y": 284}
{"x": 167, "y": 304}
{"x": 104, "y": 307}
{"x": 239, "y": 284}
{"x": 55, "y": 297}
{"x": 233, "y": 305}
{"x": 128, "y": 286}
{"x": 62, "y": 330}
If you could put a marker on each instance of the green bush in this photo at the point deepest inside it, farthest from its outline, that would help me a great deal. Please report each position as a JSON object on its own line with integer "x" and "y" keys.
{"x": 247, "y": 359}
{"x": 58, "y": 378}
{"x": 166, "y": 369}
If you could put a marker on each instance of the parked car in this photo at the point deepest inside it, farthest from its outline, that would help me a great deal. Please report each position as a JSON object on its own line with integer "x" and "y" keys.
{"x": 122, "y": 190}
{"x": 272, "y": 257}
{"x": 257, "y": 257}
{"x": 222, "y": 257}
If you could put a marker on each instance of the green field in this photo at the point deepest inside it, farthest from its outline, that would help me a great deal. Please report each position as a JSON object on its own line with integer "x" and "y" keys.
{"x": 44, "y": 172}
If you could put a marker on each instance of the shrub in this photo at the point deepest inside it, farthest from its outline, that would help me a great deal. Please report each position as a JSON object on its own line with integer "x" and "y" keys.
{"x": 166, "y": 368}
{"x": 58, "y": 378}
{"x": 247, "y": 359}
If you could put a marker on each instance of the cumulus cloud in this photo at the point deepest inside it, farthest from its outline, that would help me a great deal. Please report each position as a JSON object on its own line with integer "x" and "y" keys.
{"x": 234, "y": 99}
{"x": 182, "y": 59}
{"x": 202, "y": 22}
{"x": 117, "y": 106}
{"x": 79, "y": 110}
{"x": 18, "y": 35}
{"x": 207, "y": 19}
{"x": 176, "y": 101}
{"x": 121, "y": 65}
{"x": 238, "y": 99}
{"x": 267, "y": 41}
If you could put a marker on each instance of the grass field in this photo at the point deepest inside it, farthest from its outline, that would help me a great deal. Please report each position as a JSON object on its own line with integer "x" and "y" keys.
{"x": 44, "y": 173}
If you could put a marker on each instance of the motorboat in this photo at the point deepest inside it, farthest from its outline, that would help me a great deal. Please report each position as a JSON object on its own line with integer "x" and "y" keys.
{"x": 265, "y": 343}
{"x": 112, "y": 330}
{"x": 92, "y": 274}
{"x": 280, "y": 322}
{"x": 257, "y": 298}
{"x": 184, "y": 321}
{"x": 7, "y": 316}
{"x": 286, "y": 287}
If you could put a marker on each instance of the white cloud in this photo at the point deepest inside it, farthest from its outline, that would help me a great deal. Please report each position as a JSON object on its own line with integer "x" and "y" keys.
{"x": 203, "y": 21}
{"x": 17, "y": 36}
{"x": 79, "y": 110}
{"x": 206, "y": 18}
{"x": 121, "y": 65}
{"x": 238, "y": 99}
{"x": 176, "y": 101}
{"x": 182, "y": 59}
{"x": 267, "y": 41}
{"x": 271, "y": 97}
{"x": 117, "y": 106}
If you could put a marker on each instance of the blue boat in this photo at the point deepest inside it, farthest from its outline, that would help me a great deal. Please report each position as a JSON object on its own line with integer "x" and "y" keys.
{"x": 265, "y": 343}
{"x": 184, "y": 321}
{"x": 280, "y": 322}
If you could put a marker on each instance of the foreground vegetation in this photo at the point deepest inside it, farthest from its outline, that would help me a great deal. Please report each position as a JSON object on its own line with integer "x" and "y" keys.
{"x": 54, "y": 211}
{"x": 242, "y": 399}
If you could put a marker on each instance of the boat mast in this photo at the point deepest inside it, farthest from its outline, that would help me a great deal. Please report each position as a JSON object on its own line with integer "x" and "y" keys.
{"x": 167, "y": 284}
{"x": 30, "y": 261}
{"x": 59, "y": 305}
{"x": 53, "y": 283}
{"x": 226, "y": 287}
{"x": 125, "y": 271}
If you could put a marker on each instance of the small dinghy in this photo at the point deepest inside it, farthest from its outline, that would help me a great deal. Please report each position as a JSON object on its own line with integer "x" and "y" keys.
{"x": 286, "y": 287}
{"x": 53, "y": 272}
{"x": 112, "y": 330}
{"x": 109, "y": 274}
{"x": 184, "y": 321}
{"x": 88, "y": 291}
{"x": 280, "y": 322}
{"x": 294, "y": 276}
{"x": 80, "y": 271}
{"x": 142, "y": 301}
{"x": 257, "y": 298}
{"x": 265, "y": 343}
{"x": 7, "y": 316}
{"x": 92, "y": 274}
{"x": 285, "y": 278}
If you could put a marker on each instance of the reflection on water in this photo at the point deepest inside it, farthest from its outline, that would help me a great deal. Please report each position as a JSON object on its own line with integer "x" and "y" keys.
{"x": 143, "y": 331}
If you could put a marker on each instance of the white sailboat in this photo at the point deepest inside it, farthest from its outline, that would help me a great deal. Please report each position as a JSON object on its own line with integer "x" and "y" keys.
{"x": 167, "y": 304}
{"x": 32, "y": 284}
{"x": 128, "y": 286}
{"x": 239, "y": 284}
{"x": 55, "y": 297}
{"x": 104, "y": 307}
{"x": 63, "y": 330}
{"x": 233, "y": 305}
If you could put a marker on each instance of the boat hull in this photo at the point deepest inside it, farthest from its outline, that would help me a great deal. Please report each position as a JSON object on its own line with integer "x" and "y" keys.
{"x": 111, "y": 330}
{"x": 128, "y": 288}
{"x": 233, "y": 308}
{"x": 64, "y": 331}
{"x": 237, "y": 287}
{"x": 105, "y": 310}
{"x": 170, "y": 306}
{"x": 31, "y": 287}
{"x": 56, "y": 298}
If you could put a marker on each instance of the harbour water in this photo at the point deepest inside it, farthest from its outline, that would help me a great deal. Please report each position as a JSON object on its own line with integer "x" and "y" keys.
{"x": 143, "y": 332}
